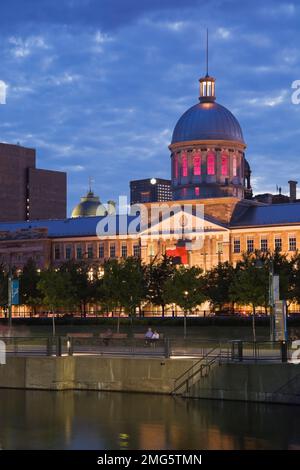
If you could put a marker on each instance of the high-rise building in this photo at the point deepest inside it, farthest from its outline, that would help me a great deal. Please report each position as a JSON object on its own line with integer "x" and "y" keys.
{"x": 150, "y": 190}
{"x": 26, "y": 192}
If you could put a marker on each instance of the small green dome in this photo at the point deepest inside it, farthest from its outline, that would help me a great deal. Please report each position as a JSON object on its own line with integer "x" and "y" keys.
{"x": 89, "y": 206}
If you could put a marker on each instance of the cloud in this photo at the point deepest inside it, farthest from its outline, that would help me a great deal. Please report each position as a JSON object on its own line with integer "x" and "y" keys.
{"x": 223, "y": 33}
{"x": 22, "y": 48}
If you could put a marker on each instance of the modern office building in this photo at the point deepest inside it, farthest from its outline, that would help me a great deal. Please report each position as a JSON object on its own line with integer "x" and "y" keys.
{"x": 150, "y": 190}
{"x": 27, "y": 192}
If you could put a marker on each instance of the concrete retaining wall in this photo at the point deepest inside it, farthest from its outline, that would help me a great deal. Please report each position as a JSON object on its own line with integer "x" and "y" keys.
{"x": 92, "y": 373}
{"x": 276, "y": 383}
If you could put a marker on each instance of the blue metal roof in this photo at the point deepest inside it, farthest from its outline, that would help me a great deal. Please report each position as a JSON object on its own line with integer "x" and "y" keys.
{"x": 207, "y": 121}
{"x": 73, "y": 227}
{"x": 273, "y": 214}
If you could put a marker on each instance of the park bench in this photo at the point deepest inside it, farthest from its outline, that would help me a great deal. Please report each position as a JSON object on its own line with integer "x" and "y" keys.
{"x": 80, "y": 335}
{"x": 114, "y": 336}
{"x": 142, "y": 336}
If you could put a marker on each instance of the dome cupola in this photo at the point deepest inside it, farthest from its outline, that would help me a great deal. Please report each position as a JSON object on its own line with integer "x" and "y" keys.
{"x": 207, "y": 150}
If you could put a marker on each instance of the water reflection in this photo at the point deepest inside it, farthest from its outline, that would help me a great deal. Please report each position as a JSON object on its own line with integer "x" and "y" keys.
{"x": 91, "y": 420}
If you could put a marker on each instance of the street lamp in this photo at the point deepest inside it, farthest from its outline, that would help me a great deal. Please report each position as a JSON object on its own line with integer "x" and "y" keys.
{"x": 270, "y": 264}
{"x": 186, "y": 293}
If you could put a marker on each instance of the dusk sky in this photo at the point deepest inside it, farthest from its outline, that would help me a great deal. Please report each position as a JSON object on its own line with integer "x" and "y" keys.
{"x": 97, "y": 86}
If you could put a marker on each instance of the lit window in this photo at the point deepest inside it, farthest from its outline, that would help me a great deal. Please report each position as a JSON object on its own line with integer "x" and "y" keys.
{"x": 220, "y": 248}
{"x": 292, "y": 243}
{"x": 250, "y": 245}
{"x": 137, "y": 251}
{"x": 234, "y": 165}
{"x": 236, "y": 245}
{"x": 101, "y": 251}
{"x": 112, "y": 251}
{"x": 57, "y": 252}
{"x": 79, "y": 252}
{"x": 90, "y": 252}
{"x": 224, "y": 164}
{"x": 278, "y": 243}
{"x": 124, "y": 251}
{"x": 264, "y": 244}
{"x": 68, "y": 252}
{"x": 197, "y": 164}
{"x": 184, "y": 193}
{"x": 197, "y": 191}
{"x": 184, "y": 164}
{"x": 210, "y": 163}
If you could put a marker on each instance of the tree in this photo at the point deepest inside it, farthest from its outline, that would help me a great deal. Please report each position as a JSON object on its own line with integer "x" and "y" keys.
{"x": 186, "y": 289}
{"x": 133, "y": 284}
{"x": 56, "y": 290}
{"x": 109, "y": 288}
{"x": 217, "y": 283}
{"x": 29, "y": 293}
{"x": 83, "y": 283}
{"x": 251, "y": 284}
{"x": 158, "y": 273}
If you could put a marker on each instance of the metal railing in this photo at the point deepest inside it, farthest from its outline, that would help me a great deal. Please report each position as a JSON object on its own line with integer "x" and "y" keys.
{"x": 199, "y": 369}
{"x": 227, "y": 351}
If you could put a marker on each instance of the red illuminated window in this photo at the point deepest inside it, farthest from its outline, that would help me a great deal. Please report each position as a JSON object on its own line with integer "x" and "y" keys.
{"x": 210, "y": 163}
{"x": 176, "y": 166}
{"x": 224, "y": 164}
{"x": 197, "y": 191}
{"x": 184, "y": 164}
{"x": 197, "y": 164}
{"x": 234, "y": 166}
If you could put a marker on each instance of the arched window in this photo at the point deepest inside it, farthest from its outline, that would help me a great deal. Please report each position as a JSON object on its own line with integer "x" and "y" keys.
{"x": 234, "y": 165}
{"x": 224, "y": 164}
{"x": 184, "y": 163}
{"x": 211, "y": 163}
{"x": 197, "y": 163}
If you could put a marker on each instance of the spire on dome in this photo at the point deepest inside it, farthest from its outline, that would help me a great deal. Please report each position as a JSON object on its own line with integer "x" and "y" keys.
{"x": 207, "y": 83}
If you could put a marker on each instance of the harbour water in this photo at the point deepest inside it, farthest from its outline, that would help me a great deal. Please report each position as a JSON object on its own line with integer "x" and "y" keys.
{"x": 109, "y": 421}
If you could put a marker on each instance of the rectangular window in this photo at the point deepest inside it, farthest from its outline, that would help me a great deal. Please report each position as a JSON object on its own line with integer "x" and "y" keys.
{"x": 264, "y": 244}
{"x": 184, "y": 163}
{"x": 176, "y": 166}
{"x": 124, "y": 251}
{"x": 236, "y": 245}
{"x": 234, "y": 166}
{"x": 112, "y": 251}
{"x": 292, "y": 243}
{"x": 278, "y": 243}
{"x": 197, "y": 164}
{"x": 250, "y": 245}
{"x": 90, "y": 253}
{"x": 219, "y": 247}
{"x": 210, "y": 163}
{"x": 79, "y": 252}
{"x": 101, "y": 251}
{"x": 224, "y": 165}
{"x": 68, "y": 252}
{"x": 197, "y": 191}
{"x": 137, "y": 251}
{"x": 57, "y": 252}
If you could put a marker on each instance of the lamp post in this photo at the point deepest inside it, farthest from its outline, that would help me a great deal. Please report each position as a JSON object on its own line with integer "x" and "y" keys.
{"x": 271, "y": 298}
{"x": 9, "y": 293}
{"x": 186, "y": 293}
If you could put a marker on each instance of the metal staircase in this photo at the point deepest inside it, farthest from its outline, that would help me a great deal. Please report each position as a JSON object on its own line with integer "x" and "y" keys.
{"x": 200, "y": 369}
